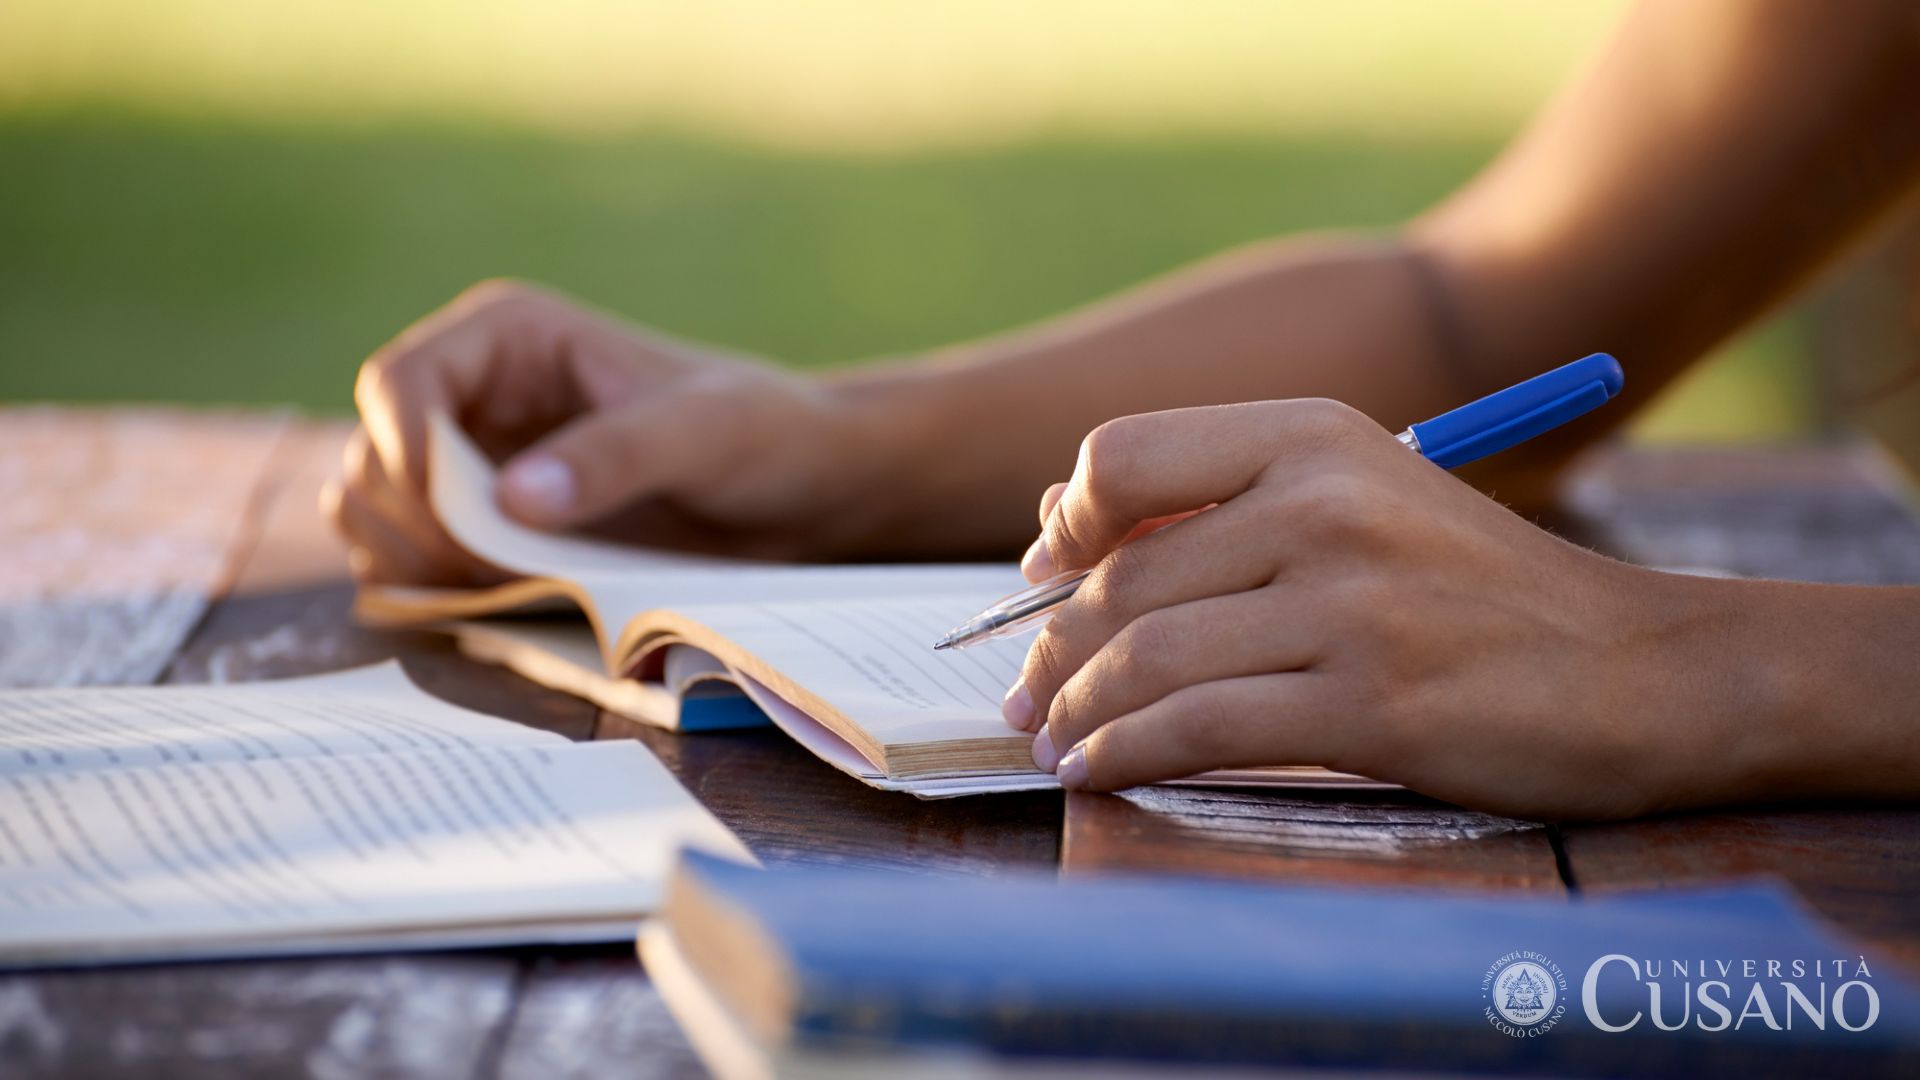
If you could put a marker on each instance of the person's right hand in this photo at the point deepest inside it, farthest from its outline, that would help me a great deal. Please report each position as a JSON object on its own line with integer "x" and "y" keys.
{"x": 597, "y": 422}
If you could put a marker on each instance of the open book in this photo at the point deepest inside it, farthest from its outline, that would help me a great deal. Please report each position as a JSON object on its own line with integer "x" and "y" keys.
{"x": 840, "y": 657}
{"x": 344, "y": 811}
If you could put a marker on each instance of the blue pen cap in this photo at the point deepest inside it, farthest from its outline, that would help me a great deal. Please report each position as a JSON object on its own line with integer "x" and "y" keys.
{"x": 1519, "y": 412}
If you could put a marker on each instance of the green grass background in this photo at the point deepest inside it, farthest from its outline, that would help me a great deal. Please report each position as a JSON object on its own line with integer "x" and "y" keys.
{"x": 220, "y": 201}
{"x": 163, "y": 259}
{"x": 153, "y": 258}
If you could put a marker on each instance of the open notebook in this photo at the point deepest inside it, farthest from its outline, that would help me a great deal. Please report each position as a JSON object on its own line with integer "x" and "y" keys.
{"x": 838, "y": 656}
{"x": 343, "y": 811}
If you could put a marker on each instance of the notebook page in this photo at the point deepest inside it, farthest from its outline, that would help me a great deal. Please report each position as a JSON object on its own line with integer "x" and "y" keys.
{"x": 374, "y": 709}
{"x": 873, "y": 660}
{"x": 625, "y": 580}
{"x": 127, "y": 861}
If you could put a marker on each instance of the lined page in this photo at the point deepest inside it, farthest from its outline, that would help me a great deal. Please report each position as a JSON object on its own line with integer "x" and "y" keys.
{"x": 374, "y": 709}
{"x": 873, "y": 660}
{"x": 151, "y": 860}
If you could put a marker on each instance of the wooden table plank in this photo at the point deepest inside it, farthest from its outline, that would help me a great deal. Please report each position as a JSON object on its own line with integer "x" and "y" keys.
{"x": 592, "y": 1017}
{"x": 1858, "y": 866}
{"x": 789, "y": 807}
{"x": 1828, "y": 513}
{"x": 395, "y": 1016}
{"x": 118, "y": 528}
{"x": 284, "y": 615}
{"x": 1388, "y": 838}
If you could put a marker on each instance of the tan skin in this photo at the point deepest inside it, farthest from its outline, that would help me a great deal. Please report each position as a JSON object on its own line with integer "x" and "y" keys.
{"x": 1342, "y": 602}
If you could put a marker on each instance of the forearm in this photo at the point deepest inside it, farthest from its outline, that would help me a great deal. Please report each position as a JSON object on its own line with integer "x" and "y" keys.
{"x": 1713, "y": 158}
{"x": 973, "y": 434}
{"x": 1716, "y": 155}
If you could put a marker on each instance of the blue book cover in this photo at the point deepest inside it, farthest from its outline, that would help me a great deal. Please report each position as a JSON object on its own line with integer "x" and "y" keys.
{"x": 1194, "y": 970}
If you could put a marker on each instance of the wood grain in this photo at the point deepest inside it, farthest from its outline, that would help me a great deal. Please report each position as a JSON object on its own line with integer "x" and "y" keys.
{"x": 118, "y": 529}
{"x": 1836, "y": 513}
{"x": 395, "y": 1016}
{"x": 789, "y": 807}
{"x": 284, "y": 615}
{"x": 1393, "y": 838}
{"x": 1857, "y": 865}
{"x": 591, "y": 1017}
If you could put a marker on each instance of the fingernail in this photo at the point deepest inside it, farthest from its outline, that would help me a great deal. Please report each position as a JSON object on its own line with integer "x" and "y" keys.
{"x": 541, "y": 484}
{"x": 1044, "y": 755}
{"x": 1037, "y": 563}
{"x": 1072, "y": 772}
{"x": 1017, "y": 707}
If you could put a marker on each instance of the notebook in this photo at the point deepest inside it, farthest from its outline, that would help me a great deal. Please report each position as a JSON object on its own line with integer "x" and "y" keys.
{"x": 834, "y": 972}
{"x": 840, "y": 657}
{"x": 339, "y": 812}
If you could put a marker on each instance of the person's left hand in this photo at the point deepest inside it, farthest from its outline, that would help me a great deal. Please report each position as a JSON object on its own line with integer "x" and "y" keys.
{"x": 1341, "y": 601}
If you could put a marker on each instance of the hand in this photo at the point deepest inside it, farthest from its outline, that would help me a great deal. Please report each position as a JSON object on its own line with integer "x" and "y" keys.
{"x": 598, "y": 422}
{"x": 1343, "y": 602}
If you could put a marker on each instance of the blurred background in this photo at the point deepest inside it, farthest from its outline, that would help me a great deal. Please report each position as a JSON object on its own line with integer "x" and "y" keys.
{"x": 231, "y": 201}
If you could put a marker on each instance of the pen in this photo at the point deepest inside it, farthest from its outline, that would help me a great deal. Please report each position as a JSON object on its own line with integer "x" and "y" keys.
{"x": 1501, "y": 419}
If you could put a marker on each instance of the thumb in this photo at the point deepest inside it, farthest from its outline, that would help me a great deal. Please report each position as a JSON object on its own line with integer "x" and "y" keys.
{"x": 1093, "y": 512}
{"x": 1138, "y": 473}
{"x": 602, "y": 461}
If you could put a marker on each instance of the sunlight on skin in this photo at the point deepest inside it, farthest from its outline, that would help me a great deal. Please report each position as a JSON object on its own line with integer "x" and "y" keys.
{"x": 833, "y": 74}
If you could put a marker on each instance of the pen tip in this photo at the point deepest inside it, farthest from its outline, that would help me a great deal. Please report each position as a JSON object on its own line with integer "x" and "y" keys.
{"x": 943, "y": 643}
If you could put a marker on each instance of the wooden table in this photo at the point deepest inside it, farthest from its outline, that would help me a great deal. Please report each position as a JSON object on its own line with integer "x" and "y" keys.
{"x": 141, "y": 546}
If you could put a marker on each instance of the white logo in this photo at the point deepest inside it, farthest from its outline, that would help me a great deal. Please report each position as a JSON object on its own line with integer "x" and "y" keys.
{"x": 1523, "y": 993}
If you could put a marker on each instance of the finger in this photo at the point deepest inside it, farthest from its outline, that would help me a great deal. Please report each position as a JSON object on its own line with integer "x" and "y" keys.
{"x": 377, "y": 551}
{"x": 534, "y": 349}
{"x": 434, "y": 366}
{"x": 1164, "y": 651}
{"x": 1049, "y": 499}
{"x": 1226, "y": 550}
{"x": 1142, "y": 467}
{"x": 671, "y": 441}
{"x": 1285, "y": 719}
{"x": 432, "y": 556}
{"x": 1037, "y": 564}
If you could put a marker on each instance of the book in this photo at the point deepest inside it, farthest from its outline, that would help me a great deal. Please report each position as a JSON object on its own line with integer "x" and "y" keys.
{"x": 832, "y": 972}
{"x": 338, "y": 812}
{"x": 839, "y": 657}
